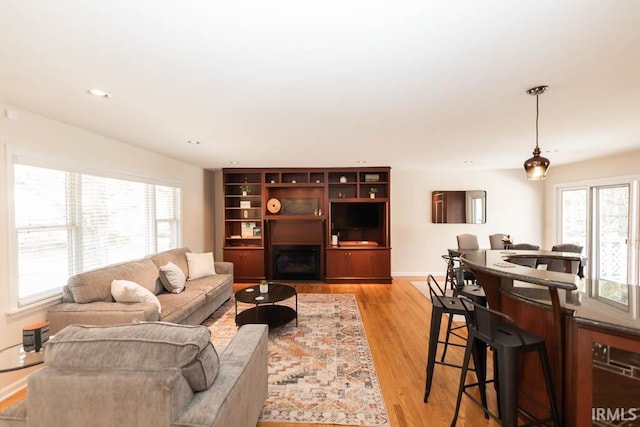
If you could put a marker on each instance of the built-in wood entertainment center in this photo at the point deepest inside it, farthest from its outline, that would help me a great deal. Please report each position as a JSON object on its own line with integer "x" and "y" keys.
{"x": 283, "y": 224}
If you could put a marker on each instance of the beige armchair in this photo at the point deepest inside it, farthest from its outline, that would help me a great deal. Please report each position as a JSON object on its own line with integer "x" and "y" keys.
{"x": 146, "y": 374}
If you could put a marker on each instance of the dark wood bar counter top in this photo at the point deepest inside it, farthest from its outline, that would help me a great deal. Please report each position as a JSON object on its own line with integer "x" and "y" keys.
{"x": 600, "y": 303}
{"x": 591, "y": 328}
{"x": 497, "y": 262}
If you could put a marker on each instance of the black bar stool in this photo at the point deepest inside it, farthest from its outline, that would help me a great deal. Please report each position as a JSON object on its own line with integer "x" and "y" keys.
{"x": 454, "y": 268}
{"x": 461, "y": 288}
{"x": 507, "y": 342}
{"x": 441, "y": 305}
{"x": 451, "y": 263}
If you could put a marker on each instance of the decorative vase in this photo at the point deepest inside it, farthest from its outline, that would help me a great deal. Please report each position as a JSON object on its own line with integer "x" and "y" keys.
{"x": 343, "y": 179}
{"x": 264, "y": 287}
{"x": 372, "y": 195}
{"x": 244, "y": 193}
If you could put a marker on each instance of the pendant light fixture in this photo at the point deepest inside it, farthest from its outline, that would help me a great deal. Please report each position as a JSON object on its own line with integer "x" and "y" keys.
{"x": 537, "y": 166}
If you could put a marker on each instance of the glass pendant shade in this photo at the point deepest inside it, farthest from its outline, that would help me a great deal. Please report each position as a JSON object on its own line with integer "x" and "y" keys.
{"x": 537, "y": 166}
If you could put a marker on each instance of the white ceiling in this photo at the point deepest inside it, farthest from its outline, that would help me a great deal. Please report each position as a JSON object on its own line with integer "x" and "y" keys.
{"x": 409, "y": 84}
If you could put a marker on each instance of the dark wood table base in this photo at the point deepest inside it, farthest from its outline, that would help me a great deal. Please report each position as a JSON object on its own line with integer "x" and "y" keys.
{"x": 272, "y": 315}
{"x": 265, "y": 309}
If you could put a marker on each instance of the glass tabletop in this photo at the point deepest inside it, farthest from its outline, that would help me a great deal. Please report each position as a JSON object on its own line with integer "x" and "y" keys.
{"x": 277, "y": 292}
{"x": 14, "y": 358}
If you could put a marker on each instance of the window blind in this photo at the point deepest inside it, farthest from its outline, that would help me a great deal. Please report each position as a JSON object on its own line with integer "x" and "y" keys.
{"x": 67, "y": 222}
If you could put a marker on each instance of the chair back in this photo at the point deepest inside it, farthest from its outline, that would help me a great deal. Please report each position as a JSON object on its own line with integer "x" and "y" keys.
{"x": 435, "y": 291}
{"x": 467, "y": 241}
{"x": 495, "y": 241}
{"x": 558, "y": 265}
{"x": 482, "y": 322}
{"x": 527, "y": 262}
{"x": 567, "y": 247}
{"x": 525, "y": 247}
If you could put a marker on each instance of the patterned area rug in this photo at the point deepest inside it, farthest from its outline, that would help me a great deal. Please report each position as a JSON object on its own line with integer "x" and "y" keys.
{"x": 423, "y": 287}
{"x": 320, "y": 372}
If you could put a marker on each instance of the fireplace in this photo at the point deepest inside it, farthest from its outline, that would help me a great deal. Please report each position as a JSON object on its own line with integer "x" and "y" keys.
{"x": 296, "y": 262}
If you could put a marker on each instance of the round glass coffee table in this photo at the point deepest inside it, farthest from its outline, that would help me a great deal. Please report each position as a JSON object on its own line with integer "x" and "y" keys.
{"x": 14, "y": 358}
{"x": 266, "y": 310}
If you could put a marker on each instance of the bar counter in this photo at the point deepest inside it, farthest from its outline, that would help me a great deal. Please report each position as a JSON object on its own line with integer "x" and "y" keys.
{"x": 591, "y": 329}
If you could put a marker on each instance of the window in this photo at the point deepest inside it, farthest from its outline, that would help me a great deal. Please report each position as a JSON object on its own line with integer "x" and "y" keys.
{"x": 68, "y": 222}
{"x": 611, "y": 232}
{"x": 598, "y": 216}
{"x": 574, "y": 212}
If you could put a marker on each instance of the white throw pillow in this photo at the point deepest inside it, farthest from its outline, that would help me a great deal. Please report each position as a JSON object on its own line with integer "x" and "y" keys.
{"x": 172, "y": 278}
{"x": 127, "y": 291}
{"x": 200, "y": 265}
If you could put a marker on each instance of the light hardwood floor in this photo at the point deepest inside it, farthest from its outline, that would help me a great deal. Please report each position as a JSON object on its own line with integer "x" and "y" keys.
{"x": 396, "y": 318}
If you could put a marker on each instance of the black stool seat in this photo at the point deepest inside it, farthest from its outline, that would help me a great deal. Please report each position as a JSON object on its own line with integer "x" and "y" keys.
{"x": 473, "y": 292}
{"x": 508, "y": 336}
{"x": 451, "y": 305}
{"x": 507, "y": 342}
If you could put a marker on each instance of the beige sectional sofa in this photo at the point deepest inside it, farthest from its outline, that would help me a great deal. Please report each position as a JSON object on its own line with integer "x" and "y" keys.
{"x": 87, "y": 297}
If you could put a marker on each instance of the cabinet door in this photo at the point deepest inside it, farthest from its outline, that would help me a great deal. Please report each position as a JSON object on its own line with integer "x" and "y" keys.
{"x": 369, "y": 263}
{"x": 248, "y": 264}
{"x": 338, "y": 263}
{"x": 359, "y": 264}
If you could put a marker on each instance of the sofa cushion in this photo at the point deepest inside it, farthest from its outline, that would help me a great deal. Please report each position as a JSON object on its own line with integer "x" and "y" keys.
{"x": 176, "y": 256}
{"x": 146, "y": 346}
{"x": 200, "y": 265}
{"x": 177, "y": 307}
{"x": 211, "y": 285}
{"x": 95, "y": 285}
{"x": 127, "y": 291}
{"x": 172, "y": 278}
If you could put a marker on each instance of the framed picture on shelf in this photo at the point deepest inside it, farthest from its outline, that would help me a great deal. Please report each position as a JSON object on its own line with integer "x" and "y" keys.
{"x": 257, "y": 232}
{"x": 247, "y": 229}
{"x": 245, "y": 204}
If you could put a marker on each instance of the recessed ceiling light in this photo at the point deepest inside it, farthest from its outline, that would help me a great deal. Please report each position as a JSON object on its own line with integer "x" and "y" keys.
{"x": 98, "y": 93}
{"x": 468, "y": 162}
{"x": 234, "y": 162}
{"x": 361, "y": 162}
{"x": 552, "y": 150}
{"x": 193, "y": 142}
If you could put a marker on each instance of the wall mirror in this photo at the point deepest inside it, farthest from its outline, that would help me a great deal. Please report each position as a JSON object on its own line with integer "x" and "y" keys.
{"x": 459, "y": 207}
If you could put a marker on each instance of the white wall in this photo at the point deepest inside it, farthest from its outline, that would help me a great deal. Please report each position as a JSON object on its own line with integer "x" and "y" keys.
{"x": 514, "y": 206}
{"x": 58, "y": 141}
{"x": 620, "y": 165}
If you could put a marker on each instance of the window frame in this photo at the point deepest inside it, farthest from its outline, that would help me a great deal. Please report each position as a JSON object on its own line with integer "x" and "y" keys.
{"x": 633, "y": 256}
{"x": 23, "y": 157}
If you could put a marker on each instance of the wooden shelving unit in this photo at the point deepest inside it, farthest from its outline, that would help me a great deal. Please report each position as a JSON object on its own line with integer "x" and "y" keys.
{"x": 338, "y": 200}
{"x": 243, "y": 223}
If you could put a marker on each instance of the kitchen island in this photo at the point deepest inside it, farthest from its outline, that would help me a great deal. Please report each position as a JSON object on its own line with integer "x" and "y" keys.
{"x": 591, "y": 329}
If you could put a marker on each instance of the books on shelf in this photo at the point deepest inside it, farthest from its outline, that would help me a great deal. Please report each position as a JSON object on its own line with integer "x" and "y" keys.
{"x": 247, "y": 229}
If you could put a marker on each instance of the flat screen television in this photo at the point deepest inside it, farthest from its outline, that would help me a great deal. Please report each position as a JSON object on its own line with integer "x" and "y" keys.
{"x": 356, "y": 215}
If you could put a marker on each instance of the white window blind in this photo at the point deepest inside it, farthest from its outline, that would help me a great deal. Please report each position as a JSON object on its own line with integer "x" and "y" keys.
{"x": 67, "y": 222}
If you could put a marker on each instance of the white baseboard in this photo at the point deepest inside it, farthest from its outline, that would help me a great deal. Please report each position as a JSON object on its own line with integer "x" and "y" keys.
{"x": 11, "y": 389}
{"x": 418, "y": 273}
